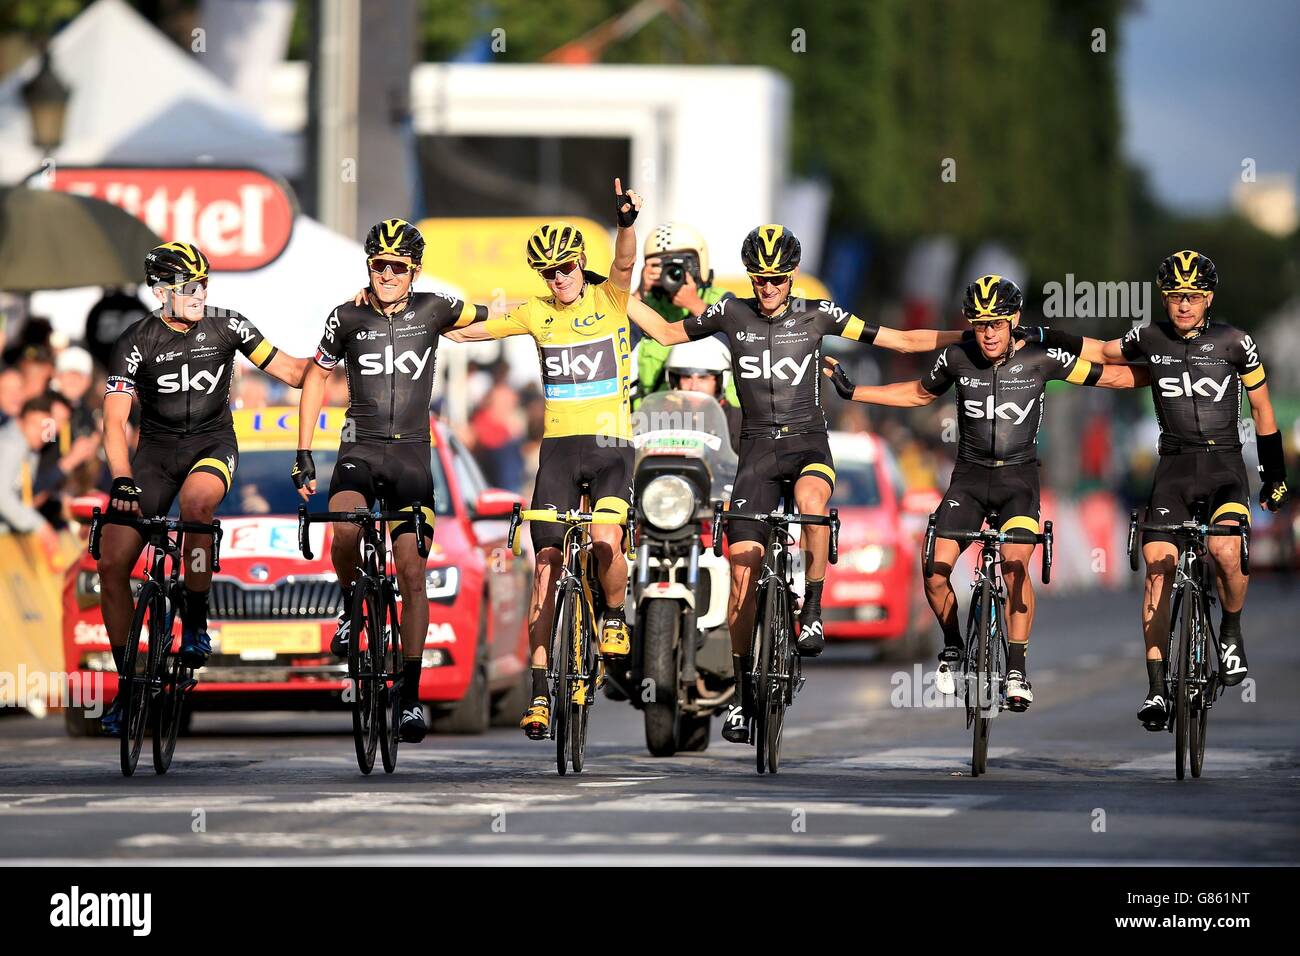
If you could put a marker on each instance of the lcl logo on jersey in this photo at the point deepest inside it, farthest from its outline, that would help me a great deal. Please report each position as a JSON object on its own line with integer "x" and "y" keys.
{"x": 182, "y": 381}
{"x": 762, "y": 366}
{"x": 1184, "y": 387}
{"x": 1008, "y": 411}
{"x": 588, "y": 324}
{"x": 410, "y": 362}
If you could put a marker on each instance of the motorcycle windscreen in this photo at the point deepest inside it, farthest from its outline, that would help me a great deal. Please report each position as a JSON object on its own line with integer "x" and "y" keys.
{"x": 687, "y": 424}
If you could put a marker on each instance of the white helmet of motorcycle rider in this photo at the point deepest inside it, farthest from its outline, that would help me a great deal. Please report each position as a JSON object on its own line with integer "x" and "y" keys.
{"x": 669, "y": 237}
{"x": 690, "y": 365}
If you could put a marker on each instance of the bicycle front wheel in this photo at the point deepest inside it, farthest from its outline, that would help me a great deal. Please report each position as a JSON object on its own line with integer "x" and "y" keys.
{"x": 367, "y": 637}
{"x": 389, "y": 657}
{"x": 584, "y": 682}
{"x": 173, "y": 681}
{"x": 1184, "y": 683}
{"x": 985, "y": 688}
{"x": 133, "y": 684}
{"x": 561, "y": 668}
{"x": 769, "y": 693}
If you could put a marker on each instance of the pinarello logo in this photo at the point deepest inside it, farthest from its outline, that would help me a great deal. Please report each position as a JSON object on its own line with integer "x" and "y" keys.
{"x": 241, "y": 218}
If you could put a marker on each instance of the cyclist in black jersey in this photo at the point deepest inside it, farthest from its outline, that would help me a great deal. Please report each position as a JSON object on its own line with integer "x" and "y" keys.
{"x": 1001, "y": 387}
{"x": 776, "y": 353}
{"x": 179, "y": 362}
{"x": 1198, "y": 371}
{"x": 388, "y": 344}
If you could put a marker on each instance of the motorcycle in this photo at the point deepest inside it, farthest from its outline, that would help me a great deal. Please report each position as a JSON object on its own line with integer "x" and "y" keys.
{"x": 679, "y": 671}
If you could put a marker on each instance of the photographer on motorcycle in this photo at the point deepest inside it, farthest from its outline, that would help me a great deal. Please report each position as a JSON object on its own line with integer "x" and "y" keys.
{"x": 705, "y": 366}
{"x": 677, "y": 283}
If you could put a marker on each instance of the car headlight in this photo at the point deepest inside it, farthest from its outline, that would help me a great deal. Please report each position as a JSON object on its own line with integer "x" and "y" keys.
{"x": 668, "y": 502}
{"x": 441, "y": 583}
{"x": 872, "y": 558}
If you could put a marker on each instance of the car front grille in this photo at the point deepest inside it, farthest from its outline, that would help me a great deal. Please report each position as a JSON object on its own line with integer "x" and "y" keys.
{"x": 292, "y": 600}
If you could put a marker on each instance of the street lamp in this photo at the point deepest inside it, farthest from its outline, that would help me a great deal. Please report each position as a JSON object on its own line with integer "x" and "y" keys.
{"x": 47, "y": 98}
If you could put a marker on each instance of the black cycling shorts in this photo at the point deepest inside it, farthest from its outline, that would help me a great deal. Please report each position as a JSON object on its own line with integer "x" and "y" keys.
{"x": 564, "y": 464}
{"x": 1217, "y": 477}
{"x": 398, "y": 473}
{"x": 765, "y": 464}
{"x": 1006, "y": 493}
{"x": 161, "y": 464}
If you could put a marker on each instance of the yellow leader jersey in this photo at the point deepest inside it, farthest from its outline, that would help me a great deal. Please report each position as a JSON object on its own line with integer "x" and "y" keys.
{"x": 585, "y": 350}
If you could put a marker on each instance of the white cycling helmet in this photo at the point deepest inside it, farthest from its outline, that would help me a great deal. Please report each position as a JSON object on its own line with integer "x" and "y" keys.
{"x": 679, "y": 237}
{"x": 705, "y": 355}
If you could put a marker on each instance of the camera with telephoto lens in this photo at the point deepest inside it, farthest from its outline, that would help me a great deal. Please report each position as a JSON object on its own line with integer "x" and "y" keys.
{"x": 675, "y": 266}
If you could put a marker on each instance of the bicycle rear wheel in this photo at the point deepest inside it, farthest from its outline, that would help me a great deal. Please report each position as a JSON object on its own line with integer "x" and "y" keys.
{"x": 390, "y": 698}
{"x": 561, "y": 649}
{"x": 133, "y": 685}
{"x": 984, "y": 689}
{"x": 367, "y": 636}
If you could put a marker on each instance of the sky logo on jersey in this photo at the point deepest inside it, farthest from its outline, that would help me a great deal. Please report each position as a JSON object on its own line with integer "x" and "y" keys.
{"x": 1184, "y": 387}
{"x": 183, "y": 381}
{"x": 241, "y": 328}
{"x": 838, "y": 314}
{"x": 1008, "y": 411}
{"x": 586, "y": 370}
{"x": 762, "y": 366}
{"x": 410, "y": 362}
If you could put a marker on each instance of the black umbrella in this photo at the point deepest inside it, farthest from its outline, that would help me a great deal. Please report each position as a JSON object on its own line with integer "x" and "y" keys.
{"x": 55, "y": 240}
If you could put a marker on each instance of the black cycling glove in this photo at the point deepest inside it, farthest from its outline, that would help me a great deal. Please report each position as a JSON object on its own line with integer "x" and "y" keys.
{"x": 1272, "y": 466}
{"x": 124, "y": 491}
{"x": 304, "y": 469}
{"x": 1049, "y": 336}
{"x": 625, "y": 219}
{"x": 840, "y": 379}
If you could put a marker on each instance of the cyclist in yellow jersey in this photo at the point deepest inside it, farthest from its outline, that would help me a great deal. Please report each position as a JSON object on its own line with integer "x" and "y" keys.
{"x": 585, "y": 347}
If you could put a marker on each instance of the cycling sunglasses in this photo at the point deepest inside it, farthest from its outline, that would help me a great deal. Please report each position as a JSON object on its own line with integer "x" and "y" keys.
{"x": 377, "y": 266}
{"x": 193, "y": 287}
{"x": 774, "y": 281}
{"x": 563, "y": 269}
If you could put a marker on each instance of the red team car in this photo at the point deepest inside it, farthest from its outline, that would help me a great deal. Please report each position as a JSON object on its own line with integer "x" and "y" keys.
{"x": 272, "y": 612}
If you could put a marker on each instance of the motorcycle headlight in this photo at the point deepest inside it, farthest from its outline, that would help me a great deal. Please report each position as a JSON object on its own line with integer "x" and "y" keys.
{"x": 668, "y": 502}
{"x": 441, "y": 583}
{"x": 872, "y": 558}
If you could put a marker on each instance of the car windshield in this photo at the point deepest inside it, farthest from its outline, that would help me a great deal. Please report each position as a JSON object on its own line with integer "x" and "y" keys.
{"x": 262, "y": 485}
{"x": 855, "y": 484}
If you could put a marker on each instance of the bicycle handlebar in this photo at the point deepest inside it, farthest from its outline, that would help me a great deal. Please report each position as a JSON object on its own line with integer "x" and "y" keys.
{"x": 1188, "y": 530}
{"x": 781, "y": 519}
{"x": 365, "y": 519}
{"x": 992, "y": 536}
{"x": 571, "y": 517}
{"x": 152, "y": 528}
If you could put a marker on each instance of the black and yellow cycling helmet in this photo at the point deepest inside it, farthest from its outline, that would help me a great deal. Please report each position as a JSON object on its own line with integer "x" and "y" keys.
{"x": 770, "y": 250}
{"x": 174, "y": 264}
{"x": 991, "y": 297}
{"x": 396, "y": 237}
{"x": 553, "y": 244}
{"x": 1187, "y": 271}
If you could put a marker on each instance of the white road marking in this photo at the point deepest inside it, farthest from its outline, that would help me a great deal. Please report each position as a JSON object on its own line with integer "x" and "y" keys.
{"x": 398, "y": 841}
{"x": 1226, "y": 761}
{"x": 923, "y": 758}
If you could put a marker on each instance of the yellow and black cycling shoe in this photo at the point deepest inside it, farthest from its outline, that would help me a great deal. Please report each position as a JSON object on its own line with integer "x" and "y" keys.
{"x": 614, "y": 638}
{"x": 536, "y": 722}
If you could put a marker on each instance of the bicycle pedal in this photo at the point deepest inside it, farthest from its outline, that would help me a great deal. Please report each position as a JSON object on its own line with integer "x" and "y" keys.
{"x": 1155, "y": 726}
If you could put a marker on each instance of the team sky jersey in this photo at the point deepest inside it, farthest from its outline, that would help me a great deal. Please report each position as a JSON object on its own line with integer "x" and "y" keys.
{"x": 585, "y": 351}
{"x": 776, "y": 361}
{"x": 390, "y": 360}
{"x": 182, "y": 379}
{"x": 1000, "y": 407}
{"x": 1196, "y": 382}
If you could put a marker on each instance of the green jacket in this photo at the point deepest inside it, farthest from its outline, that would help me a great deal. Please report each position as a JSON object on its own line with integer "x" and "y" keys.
{"x": 652, "y": 357}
